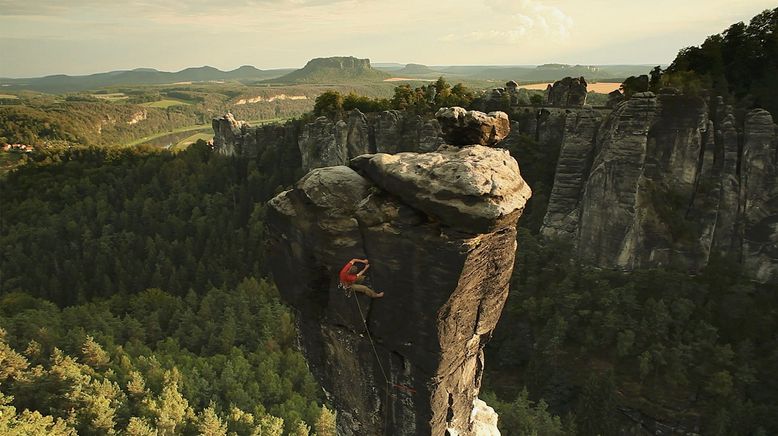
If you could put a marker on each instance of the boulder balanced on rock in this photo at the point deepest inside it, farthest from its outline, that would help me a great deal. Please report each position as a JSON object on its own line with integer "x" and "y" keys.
{"x": 462, "y": 127}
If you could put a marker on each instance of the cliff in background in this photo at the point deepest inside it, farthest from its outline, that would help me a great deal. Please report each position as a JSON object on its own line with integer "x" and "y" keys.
{"x": 440, "y": 231}
{"x": 324, "y": 143}
{"x": 661, "y": 182}
{"x": 666, "y": 180}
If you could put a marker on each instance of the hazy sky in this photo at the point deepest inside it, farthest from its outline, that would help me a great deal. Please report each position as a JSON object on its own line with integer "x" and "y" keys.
{"x": 40, "y": 37}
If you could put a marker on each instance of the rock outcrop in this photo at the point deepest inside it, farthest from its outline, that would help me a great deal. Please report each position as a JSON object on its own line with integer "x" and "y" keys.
{"x": 228, "y": 134}
{"x": 759, "y": 196}
{"x": 614, "y": 98}
{"x": 440, "y": 231}
{"x": 324, "y": 142}
{"x": 462, "y": 127}
{"x": 575, "y": 159}
{"x": 396, "y": 131}
{"x": 568, "y": 92}
{"x": 661, "y": 182}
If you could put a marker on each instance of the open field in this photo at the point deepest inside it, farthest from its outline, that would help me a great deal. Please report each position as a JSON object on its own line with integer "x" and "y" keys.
{"x": 112, "y": 96}
{"x": 175, "y": 136}
{"x": 189, "y": 140}
{"x": 405, "y": 79}
{"x": 598, "y": 87}
{"x": 166, "y": 103}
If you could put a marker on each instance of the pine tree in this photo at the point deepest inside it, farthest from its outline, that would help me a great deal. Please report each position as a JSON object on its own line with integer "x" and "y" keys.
{"x": 93, "y": 354}
{"x": 209, "y": 423}
{"x": 140, "y": 427}
{"x": 597, "y": 405}
{"x": 325, "y": 423}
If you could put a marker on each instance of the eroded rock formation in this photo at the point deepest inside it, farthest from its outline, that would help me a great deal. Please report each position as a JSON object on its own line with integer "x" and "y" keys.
{"x": 324, "y": 142}
{"x": 568, "y": 92}
{"x": 440, "y": 231}
{"x": 228, "y": 134}
{"x": 660, "y": 182}
{"x": 462, "y": 127}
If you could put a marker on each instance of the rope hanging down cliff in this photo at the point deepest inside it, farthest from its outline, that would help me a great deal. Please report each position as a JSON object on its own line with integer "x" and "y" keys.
{"x": 387, "y": 384}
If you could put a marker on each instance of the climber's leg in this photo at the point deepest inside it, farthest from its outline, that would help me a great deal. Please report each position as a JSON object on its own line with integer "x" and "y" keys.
{"x": 365, "y": 290}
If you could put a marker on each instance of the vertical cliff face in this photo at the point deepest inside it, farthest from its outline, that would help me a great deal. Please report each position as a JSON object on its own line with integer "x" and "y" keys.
{"x": 759, "y": 196}
{"x": 439, "y": 229}
{"x": 575, "y": 159}
{"x": 324, "y": 142}
{"x": 662, "y": 182}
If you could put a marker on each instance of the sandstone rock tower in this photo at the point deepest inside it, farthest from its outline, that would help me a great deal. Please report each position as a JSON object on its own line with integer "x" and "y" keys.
{"x": 440, "y": 231}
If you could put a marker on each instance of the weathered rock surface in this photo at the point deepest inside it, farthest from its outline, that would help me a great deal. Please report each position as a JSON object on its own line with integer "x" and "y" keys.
{"x": 568, "y": 92}
{"x": 575, "y": 159}
{"x": 462, "y": 127}
{"x": 324, "y": 142}
{"x": 469, "y": 188}
{"x": 439, "y": 229}
{"x": 397, "y": 131}
{"x": 659, "y": 182}
{"x": 227, "y": 132}
{"x": 759, "y": 196}
{"x": 614, "y": 98}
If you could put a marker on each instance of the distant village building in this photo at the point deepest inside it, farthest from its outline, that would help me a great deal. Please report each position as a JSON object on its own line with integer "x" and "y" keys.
{"x": 18, "y": 148}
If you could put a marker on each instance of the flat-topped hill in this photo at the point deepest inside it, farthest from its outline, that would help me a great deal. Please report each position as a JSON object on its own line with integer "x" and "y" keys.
{"x": 334, "y": 70}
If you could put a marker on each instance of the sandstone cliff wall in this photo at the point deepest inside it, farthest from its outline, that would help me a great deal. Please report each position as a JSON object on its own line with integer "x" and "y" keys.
{"x": 326, "y": 143}
{"x": 668, "y": 180}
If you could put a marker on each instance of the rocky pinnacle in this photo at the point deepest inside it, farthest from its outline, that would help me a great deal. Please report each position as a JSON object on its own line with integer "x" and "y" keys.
{"x": 439, "y": 229}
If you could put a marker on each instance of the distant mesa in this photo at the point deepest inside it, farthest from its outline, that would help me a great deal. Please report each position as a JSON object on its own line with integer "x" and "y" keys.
{"x": 334, "y": 70}
{"x": 416, "y": 69}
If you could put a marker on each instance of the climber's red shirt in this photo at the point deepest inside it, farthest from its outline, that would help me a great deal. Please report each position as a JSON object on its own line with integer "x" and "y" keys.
{"x": 345, "y": 277}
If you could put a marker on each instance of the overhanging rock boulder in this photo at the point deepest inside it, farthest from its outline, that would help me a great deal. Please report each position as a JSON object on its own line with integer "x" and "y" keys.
{"x": 440, "y": 232}
{"x": 463, "y": 127}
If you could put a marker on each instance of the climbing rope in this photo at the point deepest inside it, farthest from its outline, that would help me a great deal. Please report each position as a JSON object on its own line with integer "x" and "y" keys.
{"x": 387, "y": 384}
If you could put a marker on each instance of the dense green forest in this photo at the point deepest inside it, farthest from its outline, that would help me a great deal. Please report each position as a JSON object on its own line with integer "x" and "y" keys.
{"x": 148, "y": 256}
{"x": 223, "y": 361}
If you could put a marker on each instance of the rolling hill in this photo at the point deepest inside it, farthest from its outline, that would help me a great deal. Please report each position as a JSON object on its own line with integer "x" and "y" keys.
{"x": 138, "y": 76}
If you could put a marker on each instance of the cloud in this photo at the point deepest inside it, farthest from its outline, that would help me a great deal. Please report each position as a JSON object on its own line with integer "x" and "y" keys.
{"x": 522, "y": 19}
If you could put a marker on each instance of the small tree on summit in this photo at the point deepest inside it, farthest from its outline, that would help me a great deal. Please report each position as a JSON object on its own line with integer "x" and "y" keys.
{"x": 655, "y": 79}
{"x": 329, "y": 104}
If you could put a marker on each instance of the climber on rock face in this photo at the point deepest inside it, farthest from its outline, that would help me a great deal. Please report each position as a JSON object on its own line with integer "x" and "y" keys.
{"x": 351, "y": 277}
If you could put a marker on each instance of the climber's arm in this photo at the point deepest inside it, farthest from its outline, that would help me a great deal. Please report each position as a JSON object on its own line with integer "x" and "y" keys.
{"x": 361, "y": 273}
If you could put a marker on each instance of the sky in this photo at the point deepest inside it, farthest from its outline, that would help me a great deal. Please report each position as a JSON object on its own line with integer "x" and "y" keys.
{"x": 42, "y": 37}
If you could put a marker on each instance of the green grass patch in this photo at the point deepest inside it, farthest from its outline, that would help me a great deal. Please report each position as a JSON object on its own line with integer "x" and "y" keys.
{"x": 166, "y": 103}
